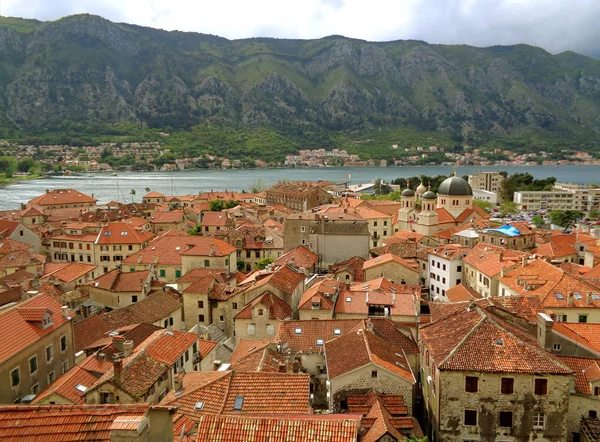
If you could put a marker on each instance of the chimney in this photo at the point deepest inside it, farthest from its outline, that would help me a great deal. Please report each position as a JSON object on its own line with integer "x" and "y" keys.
{"x": 178, "y": 382}
{"x": 127, "y": 348}
{"x": 23, "y": 206}
{"x": 369, "y": 325}
{"x": 47, "y": 190}
{"x": 216, "y": 365}
{"x": 523, "y": 261}
{"x": 118, "y": 369}
{"x": 65, "y": 311}
{"x": 282, "y": 368}
{"x": 570, "y": 298}
{"x": 117, "y": 342}
{"x": 544, "y": 331}
{"x": 588, "y": 298}
{"x": 500, "y": 256}
{"x": 139, "y": 259}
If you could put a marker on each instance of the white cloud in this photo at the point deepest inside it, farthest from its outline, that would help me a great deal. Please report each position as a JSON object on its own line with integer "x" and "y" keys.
{"x": 555, "y": 25}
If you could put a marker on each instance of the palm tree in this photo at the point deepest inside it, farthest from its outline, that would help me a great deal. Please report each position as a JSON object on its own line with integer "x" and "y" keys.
{"x": 132, "y": 194}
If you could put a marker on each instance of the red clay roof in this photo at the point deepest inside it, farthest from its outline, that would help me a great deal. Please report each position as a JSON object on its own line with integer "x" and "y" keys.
{"x": 122, "y": 232}
{"x": 67, "y": 272}
{"x": 583, "y": 368}
{"x": 19, "y": 327}
{"x": 263, "y": 393}
{"x": 473, "y": 339}
{"x": 61, "y": 197}
{"x": 321, "y": 428}
{"x": 216, "y": 219}
{"x": 117, "y": 281}
{"x": 154, "y": 307}
{"x": 461, "y": 293}
{"x": 66, "y": 384}
{"x": 299, "y": 257}
{"x": 357, "y": 302}
{"x": 302, "y": 336}
{"x": 389, "y": 257}
{"x": 490, "y": 260}
{"x": 42, "y": 423}
{"x": 586, "y": 334}
{"x": 173, "y": 217}
{"x": 354, "y": 350}
{"x": 277, "y": 309}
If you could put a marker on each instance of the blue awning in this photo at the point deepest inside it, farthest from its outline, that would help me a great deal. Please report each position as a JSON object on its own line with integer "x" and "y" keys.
{"x": 507, "y": 230}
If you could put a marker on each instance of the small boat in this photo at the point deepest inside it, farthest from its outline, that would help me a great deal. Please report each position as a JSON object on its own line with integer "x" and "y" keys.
{"x": 114, "y": 174}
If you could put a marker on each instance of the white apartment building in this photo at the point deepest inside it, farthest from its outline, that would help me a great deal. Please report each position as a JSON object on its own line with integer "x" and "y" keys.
{"x": 585, "y": 199}
{"x": 445, "y": 269}
{"x": 536, "y": 200}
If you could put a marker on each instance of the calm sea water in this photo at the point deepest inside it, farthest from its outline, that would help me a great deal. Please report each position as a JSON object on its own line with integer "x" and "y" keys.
{"x": 106, "y": 187}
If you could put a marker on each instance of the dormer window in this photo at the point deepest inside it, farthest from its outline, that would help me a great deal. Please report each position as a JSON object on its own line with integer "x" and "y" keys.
{"x": 297, "y": 331}
{"x": 337, "y": 331}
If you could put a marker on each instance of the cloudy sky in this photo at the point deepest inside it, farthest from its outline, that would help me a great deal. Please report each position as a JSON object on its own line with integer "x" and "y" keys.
{"x": 555, "y": 25}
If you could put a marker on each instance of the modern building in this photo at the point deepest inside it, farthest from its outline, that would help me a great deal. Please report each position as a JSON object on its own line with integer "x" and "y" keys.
{"x": 487, "y": 181}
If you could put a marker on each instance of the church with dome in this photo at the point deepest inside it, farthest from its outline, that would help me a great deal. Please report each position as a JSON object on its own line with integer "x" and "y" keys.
{"x": 451, "y": 207}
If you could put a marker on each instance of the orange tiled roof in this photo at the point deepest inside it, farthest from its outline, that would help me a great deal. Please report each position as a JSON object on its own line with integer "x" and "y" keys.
{"x": 61, "y": 196}
{"x": 19, "y": 328}
{"x": 402, "y": 303}
{"x": 277, "y": 309}
{"x": 170, "y": 247}
{"x": 117, "y": 281}
{"x": 586, "y": 334}
{"x": 354, "y": 350}
{"x": 151, "y": 309}
{"x": 389, "y": 257}
{"x": 172, "y": 217}
{"x": 322, "y": 428}
{"x": 353, "y": 266}
{"x": 490, "y": 260}
{"x": 473, "y": 339}
{"x": 461, "y": 293}
{"x": 217, "y": 219}
{"x": 582, "y": 367}
{"x": 299, "y": 257}
{"x": 66, "y": 386}
{"x": 42, "y": 423}
{"x": 245, "y": 347}
{"x": 168, "y": 345}
{"x": 322, "y": 292}
{"x": 67, "y": 272}
{"x": 263, "y": 393}
{"x": 284, "y": 278}
{"x": 301, "y": 336}
{"x": 122, "y": 232}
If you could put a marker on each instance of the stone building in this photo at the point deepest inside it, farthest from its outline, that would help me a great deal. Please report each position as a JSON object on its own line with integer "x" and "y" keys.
{"x": 485, "y": 378}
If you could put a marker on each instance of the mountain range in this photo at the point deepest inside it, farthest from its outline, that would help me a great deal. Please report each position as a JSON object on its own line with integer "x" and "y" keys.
{"x": 85, "y": 69}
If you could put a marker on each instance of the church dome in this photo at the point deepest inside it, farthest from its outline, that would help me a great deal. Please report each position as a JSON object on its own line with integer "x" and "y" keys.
{"x": 421, "y": 189}
{"x": 455, "y": 186}
{"x": 429, "y": 195}
{"x": 408, "y": 192}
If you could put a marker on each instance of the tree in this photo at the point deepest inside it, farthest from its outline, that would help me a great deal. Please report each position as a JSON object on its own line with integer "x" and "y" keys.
{"x": 538, "y": 221}
{"x": 196, "y": 231}
{"x": 25, "y": 164}
{"x": 231, "y": 204}
{"x": 132, "y": 193}
{"x": 263, "y": 263}
{"x": 216, "y": 205}
{"x": 565, "y": 218}
{"x": 508, "y": 208}
{"x": 484, "y": 205}
{"x": 594, "y": 214}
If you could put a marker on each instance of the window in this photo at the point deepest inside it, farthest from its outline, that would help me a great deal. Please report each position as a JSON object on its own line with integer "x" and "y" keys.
{"x": 64, "y": 367}
{"x": 506, "y": 418}
{"x": 239, "y": 402}
{"x": 596, "y": 391}
{"x": 221, "y": 318}
{"x": 427, "y": 357}
{"x": 251, "y": 329}
{"x": 541, "y": 386}
{"x": 556, "y": 347}
{"x": 303, "y": 228}
{"x": 163, "y": 273}
{"x": 63, "y": 342}
{"x": 35, "y": 388}
{"x": 49, "y": 353}
{"x": 470, "y": 417}
{"x": 539, "y": 420}
{"x": 270, "y": 329}
{"x": 320, "y": 342}
{"x": 582, "y": 318}
{"x": 507, "y": 385}
{"x": 234, "y": 305}
{"x": 337, "y": 331}
{"x": 260, "y": 312}
{"x": 51, "y": 377}
{"x": 177, "y": 273}
{"x": 133, "y": 298}
{"x": 374, "y": 223}
{"x": 374, "y": 373}
{"x": 33, "y": 366}
{"x": 206, "y": 263}
{"x": 171, "y": 321}
{"x": 15, "y": 377}
{"x": 459, "y": 268}
{"x": 471, "y": 384}
{"x": 444, "y": 267}
{"x": 200, "y": 318}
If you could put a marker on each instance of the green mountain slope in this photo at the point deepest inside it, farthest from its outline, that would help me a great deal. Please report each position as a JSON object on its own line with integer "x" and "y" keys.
{"x": 87, "y": 70}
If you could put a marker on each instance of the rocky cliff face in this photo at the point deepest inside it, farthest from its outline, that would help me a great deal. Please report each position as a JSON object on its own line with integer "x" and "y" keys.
{"x": 87, "y": 69}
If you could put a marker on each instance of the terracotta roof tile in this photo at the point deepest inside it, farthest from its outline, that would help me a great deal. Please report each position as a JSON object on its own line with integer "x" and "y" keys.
{"x": 277, "y": 309}
{"x": 473, "y": 339}
{"x": 580, "y": 367}
{"x": 461, "y": 293}
{"x": 62, "y": 197}
{"x": 151, "y": 309}
{"x": 117, "y": 281}
{"x": 490, "y": 260}
{"x": 263, "y": 393}
{"x": 299, "y": 257}
{"x": 586, "y": 334}
{"x": 66, "y": 386}
{"x": 172, "y": 217}
{"x": 353, "y": 350}
{"x": 389, "y": 257}
{"x": 19, "y": 326}
{"x": 42, "y": 423}
{"x": 353, "y": 265}
{"x": 301, "y": 336}
{"x": 68, "y": 272}
{"x": 322, "y": 428}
